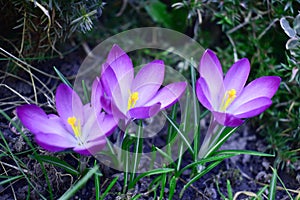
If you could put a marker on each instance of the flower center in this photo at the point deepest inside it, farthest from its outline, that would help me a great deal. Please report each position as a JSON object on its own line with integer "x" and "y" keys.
{"x": 132, "y": 100}
{"x": 228, "y": 98}
{"x": 75, "y": 127}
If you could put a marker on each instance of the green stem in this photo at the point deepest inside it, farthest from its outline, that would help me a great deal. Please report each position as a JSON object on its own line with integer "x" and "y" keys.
{"x": 213, "y": 128}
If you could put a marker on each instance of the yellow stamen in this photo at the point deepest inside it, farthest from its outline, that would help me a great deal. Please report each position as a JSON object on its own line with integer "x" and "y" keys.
{"x": 75, "y": 127}
{"x": 132, "y": 100}
{"x": 228, "y": 98}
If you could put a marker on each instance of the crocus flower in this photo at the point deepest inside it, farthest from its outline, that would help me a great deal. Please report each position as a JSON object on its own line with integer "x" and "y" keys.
{"x": 82, "y": 128}
{"x": 227, "y": 98}
{"x": 139, "y": 97}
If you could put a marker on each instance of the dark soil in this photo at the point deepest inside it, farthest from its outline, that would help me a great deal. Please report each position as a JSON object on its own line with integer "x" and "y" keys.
{"x": 245, "y": 173}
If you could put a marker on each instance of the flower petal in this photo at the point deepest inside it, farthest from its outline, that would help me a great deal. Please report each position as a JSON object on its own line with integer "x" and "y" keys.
{"x": 113, "y": 90}
{"x": 211, "y": 71}
{"x": 227, "y": 119}
{"x": 253, "y": 107}
{"x": 237, "y": 76}
{"x": 36, "y": 121}
{"x": 68, "y": 104}
{"x": 265, "y": 86}
{"x": 97, "y": 93}
{"x": 106, "y": 104}
{"x": 54, "y": 142}
{"x": 148, "y": 80}
{"x": 103, "y": 126}
{"x": 122, "y": 66}
{"x": 92, "y": 147}
{"x": 144, "y": 112}
{"x": 168, "y": 95}
{"x": 203, "y": 94}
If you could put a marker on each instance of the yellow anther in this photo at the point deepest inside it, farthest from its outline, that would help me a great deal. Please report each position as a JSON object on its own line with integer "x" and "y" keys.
{"x": 75, "y": 127}
{"x": 132, "y": 100}
{"x": 228, "y": 98}
{"x": 231, "y": 93}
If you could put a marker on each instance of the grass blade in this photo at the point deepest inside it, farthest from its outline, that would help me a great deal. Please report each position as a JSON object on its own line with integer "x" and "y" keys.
{"x": 172, "y": 187}
{"x": 195, "y": 178}
{"x": 223, "y": 138}
{"x": 203, "y": 161}
{"x": 85, "y": 92}
{"x": 150, "y": 173}
{"x": 229, "y": 190}
{"x": 272, "y": 191}
{"x": 70, "y": 192}
{"x": 138, "y": 149}
{"x": 10, "y": 179}
{"x": 62, "y": 77}
{"x": 57, "y": 162}
{"x": 179, "y": 132}
{"x": 163, "y": 185}
{"x": 113, "y": 182}
{"x": 97, "y": 183}
{"x": 245, "y": 152}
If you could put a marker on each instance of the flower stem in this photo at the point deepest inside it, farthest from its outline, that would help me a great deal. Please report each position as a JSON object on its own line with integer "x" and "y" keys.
{"x": 213, "y": 132}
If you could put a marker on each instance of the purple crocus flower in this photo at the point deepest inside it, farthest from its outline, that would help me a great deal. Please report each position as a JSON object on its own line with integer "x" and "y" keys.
{"x": 139, "y": 97}
{"x": 228, "y": 99}
{"x": 82, "y": 128}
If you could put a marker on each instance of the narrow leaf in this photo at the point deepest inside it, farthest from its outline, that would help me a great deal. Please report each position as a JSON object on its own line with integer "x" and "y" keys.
{"x": 71, "y": 191}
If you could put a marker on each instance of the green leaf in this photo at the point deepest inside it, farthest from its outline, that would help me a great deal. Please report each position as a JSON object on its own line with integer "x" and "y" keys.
{"x": 85, "y": 91}
{"x": 138, "y": 149}
{"x": 158, "y": 12}
{"x": 172, "y": 187}
{"x": 62, "y": 77}
{"x": 73, "y": 189}
{"x": 203, "y": 161}
{"x": 150, "y": 173}
{"x": 259, "y": 193}
{"x": 186, "y": 142}
{"x": 57, "y": 162}
{"x": 170, "y": 18}
{"x": 272, "y": 191}
{"x": 10, "y": 179}
{"x": 113, "y": 182}
{"x": 136, "y": 197}
{"x": 163, "y": 185}
{"x": 195, "y": 178}
{"x": 229, "y": 190}
{"x": 228, "y": 131}
{"x": 245, "y": 152}
{"x": 97, "y": 183}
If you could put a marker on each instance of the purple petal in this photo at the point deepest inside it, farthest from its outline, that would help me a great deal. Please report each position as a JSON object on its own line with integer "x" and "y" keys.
{"x": 237, "y": 76}
{"x": 117, "y": 113}
{"x": 144, "y": 112}
{"x": 203, "y": 94}
{"x": 168, "y": 95}
{"x": 108, "y": 124}
{"x": 122, "y": 66}
{"x": 37, "y": 122}
{"x": 106, "y": 104}
{"x": 227, "y": 119}
{"x": 96, "y": 95}
{"x": 54, "y": 142}
{"x": 68, "y": 104}
{"x": 108, "y": 79}
{"x": 148, "y": 81}
{"x": 211, "y": 71}
{"x": 90, "y": 148}
{"x": 252, "y": 108}
{"x": 114, "y": 91}
{"x": 265, "y": 86}
{"x": 103, "y": 126}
